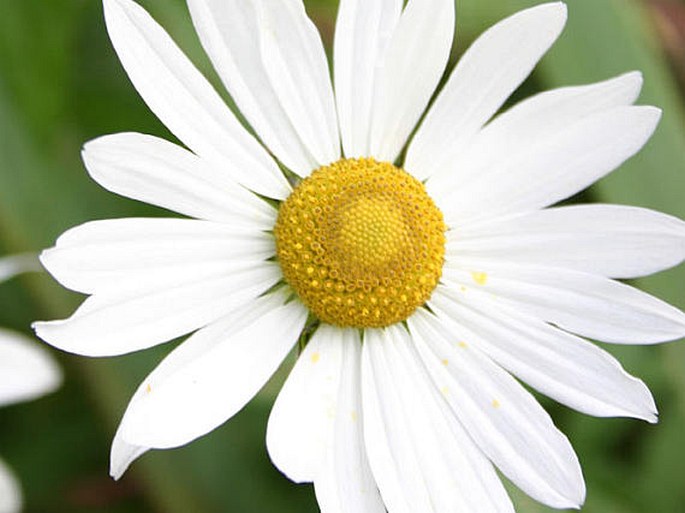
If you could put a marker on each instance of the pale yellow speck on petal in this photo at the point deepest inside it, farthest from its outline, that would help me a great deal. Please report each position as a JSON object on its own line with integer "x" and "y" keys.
{"x": 463, "y": 345}
{"x": 148, "y": 388}
{"x": 496, "y": 403}
{"x": 315, "y": 357}
{"x": 480, "y": 278}
{"x": 353, "y": 416}
{"x": 445, "y": 390}
{"x": 445, "y": 362}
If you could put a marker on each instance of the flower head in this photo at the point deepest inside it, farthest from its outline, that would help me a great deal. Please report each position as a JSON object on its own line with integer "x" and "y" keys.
{"x": 361, "y": 243}
{"x": 26, "y": 372}
{"x": 419, "y": 252}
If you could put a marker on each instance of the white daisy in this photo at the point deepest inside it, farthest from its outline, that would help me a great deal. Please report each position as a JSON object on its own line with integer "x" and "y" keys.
{"x": 422, "y": 289}
{"x": 26, "y": 372}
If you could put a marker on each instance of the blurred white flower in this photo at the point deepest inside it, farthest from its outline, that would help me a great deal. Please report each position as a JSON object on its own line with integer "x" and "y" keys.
{"x": 436, "y": 281}
{"x": 26, "y": 372}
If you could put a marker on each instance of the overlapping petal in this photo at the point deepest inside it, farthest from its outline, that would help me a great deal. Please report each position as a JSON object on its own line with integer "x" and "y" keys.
{"x": 345, "y": 483}
{"x": 270, "y": 57}
{"x": 421, "y": 457}
{"x": 564, "y": 367}
{"x": 504, "y": 420}
{"x": 160, "y": 173}
{"x": 295, "y": 62}
{"x": 362, "y": 33}
{"x": 544, "y": 168}
{"x": 302, "y": 418}
{"x": 609, "y": 240}
{"x": 111, "y": 255}
{"x": 145, "y": 314}
{"x": 315, "y": 428}
{"x": 212, "y": 375}
{"x": 583, "y": 303}
{"x": 534, "y": 118}
{"x": 494, "y": 66}
{"x": 408, "y": 72}
{"x": 185, "y": 102}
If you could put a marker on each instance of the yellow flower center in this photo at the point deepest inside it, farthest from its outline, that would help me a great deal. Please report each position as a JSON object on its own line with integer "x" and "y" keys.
{"x": 361, "y": 243}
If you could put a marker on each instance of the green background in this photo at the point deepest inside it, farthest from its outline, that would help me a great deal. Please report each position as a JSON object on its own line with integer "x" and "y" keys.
{"x": 61, "y": 85}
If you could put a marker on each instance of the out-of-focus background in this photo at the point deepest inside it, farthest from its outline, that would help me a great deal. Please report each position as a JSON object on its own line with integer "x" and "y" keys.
{"x": 61, "y": 85}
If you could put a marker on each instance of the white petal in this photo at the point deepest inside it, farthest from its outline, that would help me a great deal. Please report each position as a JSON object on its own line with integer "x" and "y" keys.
{"x": 362, "y": 33}
{"x": 409, "y": 72}
{"x": 565, "y": 367}
{"x": 295, "y": 62}
{"x": 421, "y": 457}
{"x": 533, "y": 119}
{"x": 302, "y": 417}
{"x": 137, "y": 318}
{"x": 583, "y": 303}
{"x": 158, "y": 172}
{"x": 491, "y": 69}
{"x": 545, "y": 169}
{"x": 345, "y": 484}
{"x": 10, "y": 493}
{"x": 122, "y": 455}
{"x": 185, "y": 102}
{"x": 26, "y": 369}
{"x": 106, "y": 256}
{"x": 609, "y": 240}
{"x": 504, "y": 420}
{"x": 230, "y": 33}
{"x": 12, "y": 265}
{"x": 212, "y": 375}
{"x": 271, "y": 59}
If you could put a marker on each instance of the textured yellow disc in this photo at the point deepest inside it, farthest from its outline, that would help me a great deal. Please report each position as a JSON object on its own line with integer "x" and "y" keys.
{"x": 361, "y": 243}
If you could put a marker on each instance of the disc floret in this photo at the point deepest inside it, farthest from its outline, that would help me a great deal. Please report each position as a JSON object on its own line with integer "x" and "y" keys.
{"x": 361, "y": 243}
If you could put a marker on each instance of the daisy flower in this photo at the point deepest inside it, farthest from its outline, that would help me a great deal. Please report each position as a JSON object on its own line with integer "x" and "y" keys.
{"x": 26, "y": 372}
{"x": 409, "y": 249}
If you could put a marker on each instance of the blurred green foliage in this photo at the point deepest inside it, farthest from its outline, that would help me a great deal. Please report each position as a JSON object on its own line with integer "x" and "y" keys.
{"x": 61, "y": 85}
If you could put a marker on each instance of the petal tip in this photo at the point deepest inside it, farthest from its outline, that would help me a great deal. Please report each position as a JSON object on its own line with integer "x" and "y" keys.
{"x": 36, "y": 326}
{"x": 558, "y": 10}
{"x": 563, "y": 8}
{"x": 87, "y": 148}
{"x": 656, "y": 112}
{"x": 633, "y": 81}
{"x": 42, "y": 331}
{"x": 636, "y": 75}
{"x": 45, "y": 258}
{"x": 109, "y": 5}
{"x": 53, "y": 333}
{"x": 652, "y": 115}
{"x": 115, "y": 474}
{"x": 578, "y": 499}
{"x": 117, "y": 466}
{"x": 647, "y": 118}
